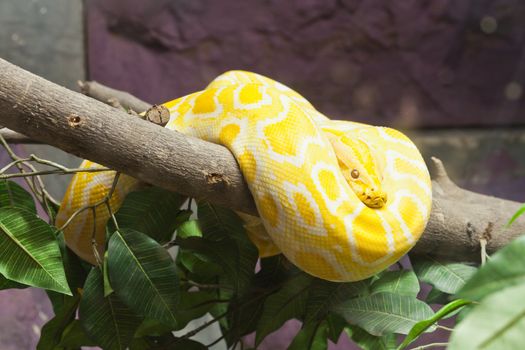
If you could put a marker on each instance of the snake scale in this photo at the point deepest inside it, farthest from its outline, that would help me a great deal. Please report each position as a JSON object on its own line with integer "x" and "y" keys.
{"x": 341, "y": 200}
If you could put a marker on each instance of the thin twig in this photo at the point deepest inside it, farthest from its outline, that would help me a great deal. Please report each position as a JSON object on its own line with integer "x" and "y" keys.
{"x": 94, "y": 244}
{"x": 170, "y": 244}
{"x": 15, "y": 158}
{"x": 233, "y": 308}
{"x": 216, "y": 341}
{"x": 211, "y": 301}
{"x": 431, "y": 345}
{"x": 444, "y": 328}
{"x": 13, "y": 163}
{"x": 60, "y": 169}
{"x": 53, "y": 172}
{"x": 202, "y": 327}
{"x": 39, "y": 190}
{"x": 93, "y": 207}
{"x": 483, "y": 244}
{"x": 106, "y": 198}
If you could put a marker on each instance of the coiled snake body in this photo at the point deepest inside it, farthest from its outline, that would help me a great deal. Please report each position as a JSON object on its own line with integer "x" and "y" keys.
{"x": 340, "y": 200}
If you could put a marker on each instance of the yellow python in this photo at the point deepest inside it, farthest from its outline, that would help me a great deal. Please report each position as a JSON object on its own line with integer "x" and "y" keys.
{"x": 341, "y": 200}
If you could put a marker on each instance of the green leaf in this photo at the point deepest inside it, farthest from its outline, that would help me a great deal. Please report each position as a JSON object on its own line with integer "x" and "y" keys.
{"x": 422, "y": 326}
{"x": 464, "y": 312}
{"x": 446, "y": 276}
{"x": 8, "y": 284}
{"x": 516, "y": 215}
{"x": 29, "y": 251}
{"x": 223, "y": 224}
{"x": 152, "y": 328}
{"x": 505, "y": 269}
{"x": 167, "y": 341}
{"x": 51, "y": 210}
{"x": 51, "y": 333}
{"x": 151, "y": 211}
{"x": 218, "y": 223}
{"x": 275, "y": 270}
{"x": 336, "y": 325}
{"x": 143, "y": 275}
{"x": 220, "y": 309}
{"x": 200, "y": 267}
{"x": 238, "y": 265}
{"x": 14, "y": 195}
{"x": 225, "y": 243}
{"x": 194, "y": 305}
{"x": 182, "y": 216}
{"x": 244, "y": 314}
{"x": 325, "y": 295}
{"x": 144, "y": 343}
{"x": 287, "y": 303}
{"x": 75, "y": 274}
{"x": 188, "y": 344}
{"x": 403, "y": 282}
{"x": 496, "y": 323}
{"x": 367, "y": 341}
{"x": 106, "y": 320}
{"x": 435, "y": 296}
{"x": 313, "y": 336}
{"x": 108, "y": 289}
{"x": 189, "y": 228}
{"x": 384, "y": 313}
{"x": 75, "y": 336}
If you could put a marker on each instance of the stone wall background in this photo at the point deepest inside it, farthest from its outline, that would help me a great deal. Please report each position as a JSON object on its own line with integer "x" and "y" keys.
{"x": 435, "y": 63}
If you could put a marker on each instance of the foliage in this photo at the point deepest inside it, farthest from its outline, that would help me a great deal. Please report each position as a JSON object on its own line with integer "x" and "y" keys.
{"x": 106, "y": 319}
{"x": 142, "y": 292}
{"x": 422, "y": 326}
{"x": 496, "y": 323}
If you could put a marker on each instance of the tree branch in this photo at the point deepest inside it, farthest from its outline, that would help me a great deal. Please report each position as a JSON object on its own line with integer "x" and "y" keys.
{"x": 90, "y": 129}
{"x": 460, "y": 219}
{"x": 93, "y": 130}
{"x": 111, "y": 96}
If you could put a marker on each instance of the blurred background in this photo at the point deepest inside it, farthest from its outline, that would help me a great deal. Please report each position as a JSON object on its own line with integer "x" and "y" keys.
{"x": 450, "y": 74}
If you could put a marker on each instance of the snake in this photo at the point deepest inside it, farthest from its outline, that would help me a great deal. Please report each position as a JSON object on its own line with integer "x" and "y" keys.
{"x": 341, "y": 200}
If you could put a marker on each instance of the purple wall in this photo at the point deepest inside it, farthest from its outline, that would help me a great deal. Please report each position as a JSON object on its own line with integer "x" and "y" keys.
{"x": 410, "y": 63}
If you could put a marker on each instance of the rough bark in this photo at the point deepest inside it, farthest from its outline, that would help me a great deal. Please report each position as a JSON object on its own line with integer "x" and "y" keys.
{"x": 46, "y": 112}
{"x": 460, "y": 219}
{"x": 93, "y": 130}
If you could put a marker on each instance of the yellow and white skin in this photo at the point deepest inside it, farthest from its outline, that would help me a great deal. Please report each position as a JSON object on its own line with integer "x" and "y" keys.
{"x": 341, "y": 200}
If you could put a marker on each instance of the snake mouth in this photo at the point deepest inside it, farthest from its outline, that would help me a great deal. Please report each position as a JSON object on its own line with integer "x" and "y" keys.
{"x": 374, "y": 200}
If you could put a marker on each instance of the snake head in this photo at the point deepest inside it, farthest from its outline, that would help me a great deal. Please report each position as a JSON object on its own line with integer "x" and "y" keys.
{"x": 361, "y": 167}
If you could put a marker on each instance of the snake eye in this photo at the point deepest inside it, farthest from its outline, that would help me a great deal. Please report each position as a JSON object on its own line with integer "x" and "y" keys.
{"x": 354, "y": 174}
